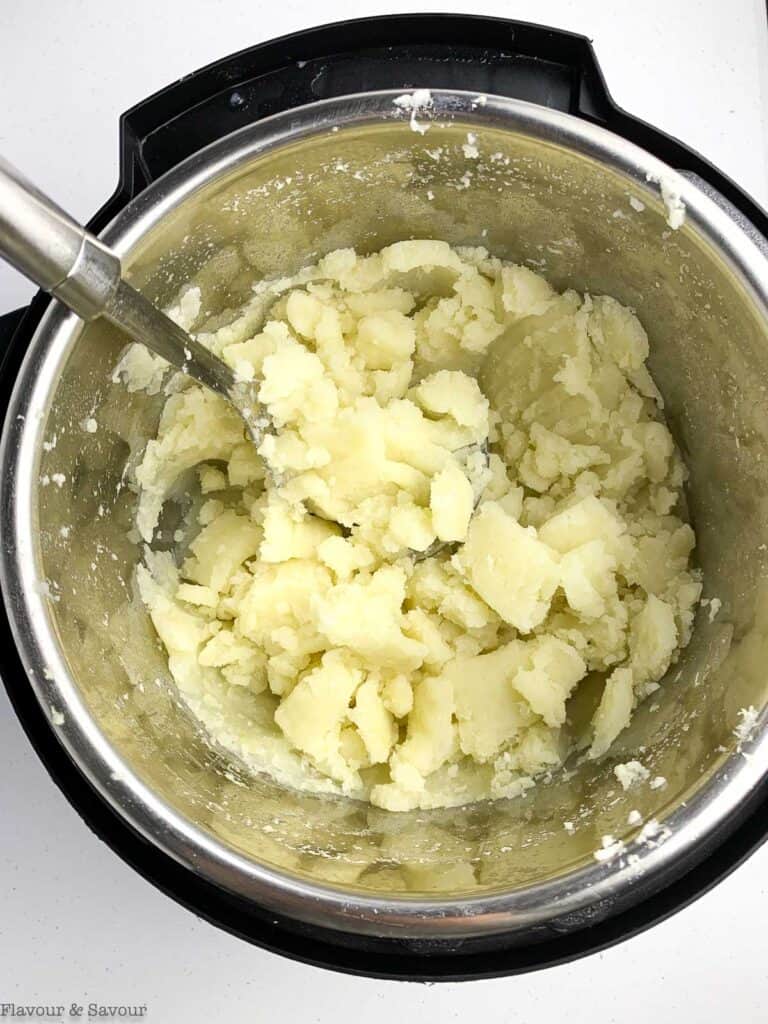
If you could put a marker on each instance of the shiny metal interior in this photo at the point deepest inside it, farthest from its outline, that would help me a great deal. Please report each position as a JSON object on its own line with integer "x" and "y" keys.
{"x": 548, "y": 191}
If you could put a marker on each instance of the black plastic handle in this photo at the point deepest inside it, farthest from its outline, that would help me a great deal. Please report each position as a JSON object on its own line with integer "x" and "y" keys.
{"x": 8, "y": 325}
{"x": 16, "y": 329}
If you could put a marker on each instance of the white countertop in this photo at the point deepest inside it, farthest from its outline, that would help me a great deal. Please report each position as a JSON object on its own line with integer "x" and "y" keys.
{"x": 76, "y": 924}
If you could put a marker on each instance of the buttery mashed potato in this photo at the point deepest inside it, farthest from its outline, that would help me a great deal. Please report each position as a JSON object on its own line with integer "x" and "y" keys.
{"x": 301, "y": 629}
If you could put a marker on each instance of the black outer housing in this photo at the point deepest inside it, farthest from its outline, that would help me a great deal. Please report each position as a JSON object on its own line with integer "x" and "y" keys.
{"x": 490, "y": 55}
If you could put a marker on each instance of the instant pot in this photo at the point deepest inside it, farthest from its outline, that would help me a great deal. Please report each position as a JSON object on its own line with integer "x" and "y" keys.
{"x": 256, "y": 165}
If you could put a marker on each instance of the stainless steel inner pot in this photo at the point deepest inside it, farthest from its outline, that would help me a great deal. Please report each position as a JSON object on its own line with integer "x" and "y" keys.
{"x": 571, "y": 200}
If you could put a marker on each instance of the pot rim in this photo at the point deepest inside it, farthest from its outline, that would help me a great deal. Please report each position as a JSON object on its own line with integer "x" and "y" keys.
{"x": 585, "y": 895}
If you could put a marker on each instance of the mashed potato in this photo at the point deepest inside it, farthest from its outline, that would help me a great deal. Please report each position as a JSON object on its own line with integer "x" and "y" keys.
{"x": 299, "y": 626}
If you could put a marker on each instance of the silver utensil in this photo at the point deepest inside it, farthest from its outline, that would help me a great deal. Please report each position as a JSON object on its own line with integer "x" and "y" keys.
{"x": 48, "y": 246}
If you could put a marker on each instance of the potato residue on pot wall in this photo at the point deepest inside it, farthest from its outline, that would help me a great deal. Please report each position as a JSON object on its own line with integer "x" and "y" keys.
{"x": 318, "y": 649}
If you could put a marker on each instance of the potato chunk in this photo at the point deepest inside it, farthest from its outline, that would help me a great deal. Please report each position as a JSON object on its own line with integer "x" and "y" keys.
{"x": 452, "y": 501}
{"x": 311, "y": 716}
{"x": 374, "y": 721}
{"x": 490, "y": 711}
{"x": 221, "y": 548}
{"x": 367, "y": 617}
{"x": 613, "y": 712}
{"x": 547, "y": 676}
{"x": 509, "y": 567}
